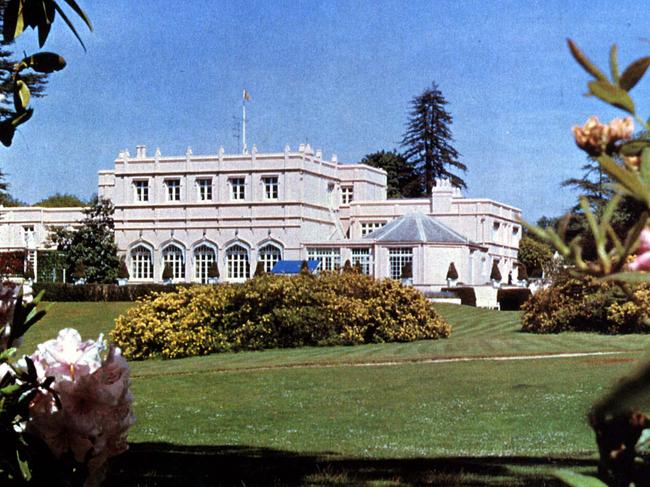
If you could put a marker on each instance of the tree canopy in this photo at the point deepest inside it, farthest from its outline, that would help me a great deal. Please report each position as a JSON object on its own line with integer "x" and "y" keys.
{"x": 427, "y": 141}
{"x": 92, "y": 246}
{"x": 61, "y": 200}
{"x": 403, "y": 179}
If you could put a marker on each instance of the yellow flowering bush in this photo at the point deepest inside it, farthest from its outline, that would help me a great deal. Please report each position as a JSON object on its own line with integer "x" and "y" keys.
{"x": 586, "y": 304}
{"x": 276, "y": 311}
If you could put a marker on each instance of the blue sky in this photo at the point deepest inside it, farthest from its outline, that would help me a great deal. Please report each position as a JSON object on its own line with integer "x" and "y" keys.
{"x": 337, "y": 74}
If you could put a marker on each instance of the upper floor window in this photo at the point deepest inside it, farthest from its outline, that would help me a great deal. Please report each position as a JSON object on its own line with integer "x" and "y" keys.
{"x": 369, "y": 227}
{"x": 270, "y": 187}
{"x": 173, "y": 189}
{"x": 237, "y": 188}
{"x": 204, "y": 188}
{"x": 28, "y": 234}
{"x": 141, "y": 190}
{"x": 347, "y": 193}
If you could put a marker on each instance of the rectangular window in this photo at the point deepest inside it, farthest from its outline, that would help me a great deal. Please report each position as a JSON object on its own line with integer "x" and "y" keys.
{"x": 346, "y": 194}
{"x": 363, "y": 259}
{"x": 29, "y": 234}
{"x": 141, "y": 190}
{"x": 270, "y": 188}
{"x": 330, "y": 259}
{"x": 237, "y": 188}
{"x": 397, "y": 260}
{"x": 369, "y": 227}
{"x": 173, "y": 189}
{"x": 204, "y": 188}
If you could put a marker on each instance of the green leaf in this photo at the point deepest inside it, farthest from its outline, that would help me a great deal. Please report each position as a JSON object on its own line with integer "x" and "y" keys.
{"x": 70, "y": 24}
{"x": 7, "y": 131}
{"x": 611, "y": 94}
{"x": 584, "y": 61}
{"x": 24, "y": 467}
{"x": 578, "y": 480}
{"x": 629, "y": 180}
{"x": 628, "y": 277}
{"x": 73, "y": 5}
{"x": 644, "y": 168}
{"x": 633, "y": 73}
{"x": 634, "y": 147}
{"x": 21, "y": 117}
{"x": 44, "y": 62}
{"x": 613, "y": 63}
{"x": 14, "y": 22}
{"x": 21, "y": 95}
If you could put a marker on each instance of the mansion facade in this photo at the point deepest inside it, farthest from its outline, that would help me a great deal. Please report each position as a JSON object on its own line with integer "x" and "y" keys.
{"x": 189, "y": 211}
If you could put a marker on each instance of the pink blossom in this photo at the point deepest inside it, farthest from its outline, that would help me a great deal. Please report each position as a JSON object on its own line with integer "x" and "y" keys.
{"x": 95, "y": 412}
{"x": 642, "y": 259}
{"x": 67, "y": 356}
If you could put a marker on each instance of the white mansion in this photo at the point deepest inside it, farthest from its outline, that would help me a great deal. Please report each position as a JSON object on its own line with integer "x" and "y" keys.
{"x": 189, "y": 211}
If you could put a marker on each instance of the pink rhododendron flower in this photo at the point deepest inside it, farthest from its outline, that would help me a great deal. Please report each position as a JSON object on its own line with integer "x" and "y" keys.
{"x": 92, "y": 383}
{"x": 642, "y": 260}
{"x": 67, "y": 356}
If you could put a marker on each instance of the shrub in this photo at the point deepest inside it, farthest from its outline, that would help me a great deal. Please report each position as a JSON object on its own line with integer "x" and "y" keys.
{"x": 495, "y": 274}
{"x": 522, "y": 274}
{"x": 511, "y": 299}
{"x": 271, "y": 311}
{"x": 167, "y": 274}
{"x": 122, "y": 270}
{"x": 259, "y": 268}
{"x": 586, "y": 304}
{"x": 452, "y": 273}
{"x": 465, "y": 293}
{"x": 12, "y": 263}
{"x": 213, "y": 270}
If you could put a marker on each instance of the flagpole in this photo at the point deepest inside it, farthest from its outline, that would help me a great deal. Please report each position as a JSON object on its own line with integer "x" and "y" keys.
{"x": 243, "y": 107}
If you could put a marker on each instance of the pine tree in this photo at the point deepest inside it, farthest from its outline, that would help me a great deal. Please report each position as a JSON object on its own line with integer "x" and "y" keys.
{"x": 403, "y": 181}
{"x": 427, "y": 141}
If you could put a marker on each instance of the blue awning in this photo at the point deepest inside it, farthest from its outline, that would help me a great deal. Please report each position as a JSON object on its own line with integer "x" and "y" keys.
{"x": 293, "y": 266}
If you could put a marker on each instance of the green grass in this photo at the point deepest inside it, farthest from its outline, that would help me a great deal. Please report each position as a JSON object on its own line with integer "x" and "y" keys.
{"x": 480, "y": 422}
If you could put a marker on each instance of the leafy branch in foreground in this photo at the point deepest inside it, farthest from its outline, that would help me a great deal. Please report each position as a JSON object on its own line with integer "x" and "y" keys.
{"x": 40, "y": 15}
{"x": 616, "y": 419}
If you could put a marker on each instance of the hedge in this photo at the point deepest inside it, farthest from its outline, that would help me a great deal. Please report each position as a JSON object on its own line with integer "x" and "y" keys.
{"x": 465, "y": 293}
{"x": 99, "y": 292}
{"x": 512, "y": 299}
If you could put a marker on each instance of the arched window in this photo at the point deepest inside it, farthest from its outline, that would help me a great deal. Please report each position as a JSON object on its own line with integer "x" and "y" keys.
{"x": 174, "y": 257}
{"x": 269, "y": 255}
{"x": 141, "y": 263}
{"x": 204, "y": 256}
{"x": 237, "y": 262}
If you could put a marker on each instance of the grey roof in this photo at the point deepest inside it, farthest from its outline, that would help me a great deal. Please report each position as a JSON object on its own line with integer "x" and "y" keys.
{"x": 416, "y": 227}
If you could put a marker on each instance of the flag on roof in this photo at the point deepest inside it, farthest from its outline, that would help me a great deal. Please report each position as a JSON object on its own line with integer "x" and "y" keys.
{"x": 246, "y": 95}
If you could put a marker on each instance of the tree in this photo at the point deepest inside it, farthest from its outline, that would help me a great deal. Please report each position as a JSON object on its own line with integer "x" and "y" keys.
{"x": 427, "y": 141}
{"x": 402, "y": 178}
{"x": 535, "y": 256}
{"x": 61, "y": 200}
{"x": 92, "y": 244}
{"x": 5, "y": 198}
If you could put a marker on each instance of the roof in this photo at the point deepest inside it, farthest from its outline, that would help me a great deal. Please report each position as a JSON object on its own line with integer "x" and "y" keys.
{"x": 293, "y": 266}
{"x": 416, "y": 227}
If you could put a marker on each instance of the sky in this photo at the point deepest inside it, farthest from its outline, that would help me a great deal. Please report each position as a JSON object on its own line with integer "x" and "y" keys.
{"x": 338, "y": 75}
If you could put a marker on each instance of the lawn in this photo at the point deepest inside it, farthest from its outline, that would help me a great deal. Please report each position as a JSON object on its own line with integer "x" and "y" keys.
{"x": 328, "y": 415}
